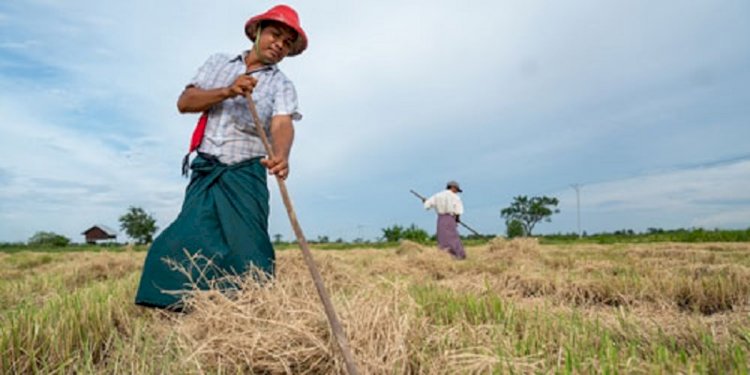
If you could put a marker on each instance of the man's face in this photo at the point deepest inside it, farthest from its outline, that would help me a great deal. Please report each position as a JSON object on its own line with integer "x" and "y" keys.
{"x": 276, "y": 40}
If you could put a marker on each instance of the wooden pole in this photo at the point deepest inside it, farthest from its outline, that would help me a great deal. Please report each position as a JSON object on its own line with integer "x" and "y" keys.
{"x": 338, "y": 331}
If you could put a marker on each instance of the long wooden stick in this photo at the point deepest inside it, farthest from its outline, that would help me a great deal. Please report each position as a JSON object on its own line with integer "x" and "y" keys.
{"x": 460, "y": 222}
{"x": 338, "y": 331}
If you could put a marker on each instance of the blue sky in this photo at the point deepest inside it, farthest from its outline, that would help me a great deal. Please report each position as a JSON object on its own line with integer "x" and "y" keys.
{"x": 645, "y": 104}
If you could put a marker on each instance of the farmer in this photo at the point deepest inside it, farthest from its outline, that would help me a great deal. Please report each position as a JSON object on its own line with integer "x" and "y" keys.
{"x": 449, "y": 208}
{"x": 222, "y": 228}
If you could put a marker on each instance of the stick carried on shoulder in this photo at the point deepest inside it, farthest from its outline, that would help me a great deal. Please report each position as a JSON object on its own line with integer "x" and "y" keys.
{"x": 460, "y": 222}
{"x": 338, "y": 331}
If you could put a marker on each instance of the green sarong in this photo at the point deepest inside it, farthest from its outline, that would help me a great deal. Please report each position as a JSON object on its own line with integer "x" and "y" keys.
{"x": 224, "y": 220}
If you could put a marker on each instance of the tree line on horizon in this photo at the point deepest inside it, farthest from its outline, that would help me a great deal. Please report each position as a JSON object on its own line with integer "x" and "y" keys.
{"x": 521, "y": 217}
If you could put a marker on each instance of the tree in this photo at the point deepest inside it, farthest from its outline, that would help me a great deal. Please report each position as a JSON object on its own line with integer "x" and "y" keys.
{"x": 393, "y": 234}
{"x": 415, "y": 233}
{"x": 277, "y": 238}
{"x": 514, "y": 228}
{"x": 42, "y": 238}
{"x": 397, "y": 233}
{"x": 138, "y": 225}
{"x": 530, "y": 211}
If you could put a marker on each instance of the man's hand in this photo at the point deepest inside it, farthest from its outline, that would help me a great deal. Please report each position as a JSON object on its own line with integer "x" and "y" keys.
{"x": 242, "y": 85}
{"x": 277, "y": 166}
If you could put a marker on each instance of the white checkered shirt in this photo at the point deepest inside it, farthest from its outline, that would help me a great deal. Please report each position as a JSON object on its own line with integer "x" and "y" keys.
{"x": 230, "y": 131}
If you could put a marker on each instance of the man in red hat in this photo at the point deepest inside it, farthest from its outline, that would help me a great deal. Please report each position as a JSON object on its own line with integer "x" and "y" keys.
{"x": 222, "y": 228}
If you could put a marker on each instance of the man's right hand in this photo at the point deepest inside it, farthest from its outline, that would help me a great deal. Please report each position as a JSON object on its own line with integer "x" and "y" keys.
{"x": 194, "y": 99}
{"x": 242, "y": 85}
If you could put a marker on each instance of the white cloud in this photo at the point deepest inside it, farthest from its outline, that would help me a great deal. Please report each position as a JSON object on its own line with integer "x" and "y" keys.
{"x": 737, "y": 217}
{"x": 18, "y": 45}
{"x": 709, "y": 196}
{"x": 65, "y": 178}
{"x": 675, "y": 189}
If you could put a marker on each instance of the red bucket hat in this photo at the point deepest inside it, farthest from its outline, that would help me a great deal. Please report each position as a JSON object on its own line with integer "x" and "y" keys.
{"x": 286, "y": 15}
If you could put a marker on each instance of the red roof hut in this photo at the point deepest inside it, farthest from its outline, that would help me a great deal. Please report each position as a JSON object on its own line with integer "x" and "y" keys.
{"x": 99, "y": 233}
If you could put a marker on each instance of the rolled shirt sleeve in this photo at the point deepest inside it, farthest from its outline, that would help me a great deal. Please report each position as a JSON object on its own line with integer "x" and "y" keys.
{"x": 285, "y": 100}
{"x": 429, "y": 203}
{"x": 206, "y": 77}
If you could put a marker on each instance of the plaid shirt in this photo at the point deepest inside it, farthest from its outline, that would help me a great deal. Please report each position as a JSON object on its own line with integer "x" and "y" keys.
{"x": 230, "y": 130}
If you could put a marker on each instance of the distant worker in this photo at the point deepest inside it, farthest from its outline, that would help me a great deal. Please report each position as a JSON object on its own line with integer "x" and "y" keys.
{"x": 449, "y": 208}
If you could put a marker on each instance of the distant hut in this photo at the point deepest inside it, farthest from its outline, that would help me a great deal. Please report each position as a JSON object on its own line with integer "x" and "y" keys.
{"x": 99, "y": 233}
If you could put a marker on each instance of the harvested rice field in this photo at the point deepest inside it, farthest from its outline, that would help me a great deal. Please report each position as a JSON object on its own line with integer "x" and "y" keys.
{"x": 512, "y": 307}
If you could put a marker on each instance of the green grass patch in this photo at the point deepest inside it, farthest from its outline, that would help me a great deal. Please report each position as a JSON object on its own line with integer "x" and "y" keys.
{"x": 573, "y": 343}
